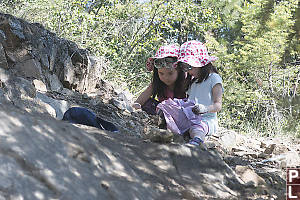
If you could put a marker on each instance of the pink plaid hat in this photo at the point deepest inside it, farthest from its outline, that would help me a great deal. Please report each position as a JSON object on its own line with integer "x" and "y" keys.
{"x": 195, "y": 54}
{"x": 171, "y": 50}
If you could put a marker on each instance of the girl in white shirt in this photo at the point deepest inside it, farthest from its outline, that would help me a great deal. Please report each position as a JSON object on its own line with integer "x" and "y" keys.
{"x": 204, "y": 87}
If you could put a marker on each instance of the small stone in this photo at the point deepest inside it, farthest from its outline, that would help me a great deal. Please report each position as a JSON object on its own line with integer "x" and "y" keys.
{"x": 270, "y": 149}
{"x": 105, "y": 185}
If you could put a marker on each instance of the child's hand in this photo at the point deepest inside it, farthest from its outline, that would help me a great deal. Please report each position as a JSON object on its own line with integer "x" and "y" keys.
{"x": 199, "y": 109}
{"x": 136, "y": 106}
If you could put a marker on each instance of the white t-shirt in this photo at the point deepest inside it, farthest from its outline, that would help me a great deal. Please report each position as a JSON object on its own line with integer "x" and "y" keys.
{"x": 201, "y": 93}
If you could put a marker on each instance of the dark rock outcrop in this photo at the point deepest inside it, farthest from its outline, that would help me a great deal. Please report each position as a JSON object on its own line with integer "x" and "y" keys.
{"x": 30, "y": 51}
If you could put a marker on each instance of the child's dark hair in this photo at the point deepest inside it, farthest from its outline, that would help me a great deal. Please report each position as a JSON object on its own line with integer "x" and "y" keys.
{"x": 202, "y": 76}
{"x": 159, "y": 87}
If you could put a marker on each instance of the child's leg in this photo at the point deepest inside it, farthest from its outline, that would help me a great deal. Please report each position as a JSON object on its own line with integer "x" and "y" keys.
{"x": 197, "y": 132}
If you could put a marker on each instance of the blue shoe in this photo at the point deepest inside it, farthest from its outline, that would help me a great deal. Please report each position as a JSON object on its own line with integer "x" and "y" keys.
{"x": 196, "y": 141}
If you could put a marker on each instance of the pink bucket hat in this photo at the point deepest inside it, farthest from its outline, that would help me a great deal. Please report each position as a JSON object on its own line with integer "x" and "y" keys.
{"x": 171, "y": 50}
{"x": 195, "y": 54}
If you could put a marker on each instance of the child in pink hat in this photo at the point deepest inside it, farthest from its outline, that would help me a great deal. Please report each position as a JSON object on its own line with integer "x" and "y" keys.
{"x": 167, "y": 81}
{"x": 204, "y": 87}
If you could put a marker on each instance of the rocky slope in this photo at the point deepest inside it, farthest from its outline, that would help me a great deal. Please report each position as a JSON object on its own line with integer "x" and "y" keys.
{"x": 42, "y": 157}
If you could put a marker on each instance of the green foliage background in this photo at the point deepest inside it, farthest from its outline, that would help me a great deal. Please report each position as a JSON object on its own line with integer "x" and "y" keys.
{"x": 257, "y": 43}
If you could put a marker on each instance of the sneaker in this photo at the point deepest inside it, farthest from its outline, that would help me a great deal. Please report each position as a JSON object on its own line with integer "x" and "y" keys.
{"x": 195, "y": 141}
{"x": 198, "y": 142}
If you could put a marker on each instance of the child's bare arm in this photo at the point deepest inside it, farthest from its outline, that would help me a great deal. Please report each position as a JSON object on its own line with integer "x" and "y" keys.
{"x": 217, "y": 102}
{"x": 144, "y": 96}
{"x": 217, "y": 99}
